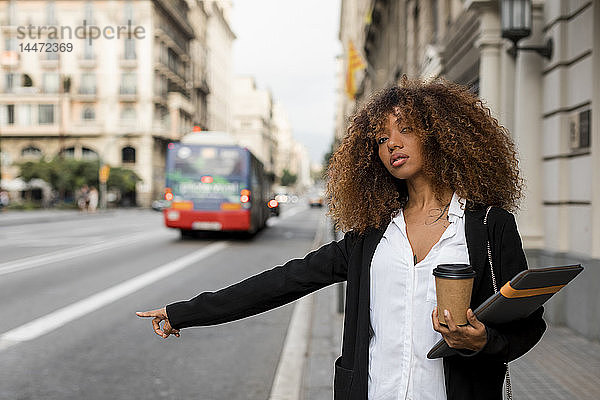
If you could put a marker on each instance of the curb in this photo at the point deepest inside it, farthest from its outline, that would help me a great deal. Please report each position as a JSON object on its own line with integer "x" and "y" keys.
{"x": 289, "y": 376}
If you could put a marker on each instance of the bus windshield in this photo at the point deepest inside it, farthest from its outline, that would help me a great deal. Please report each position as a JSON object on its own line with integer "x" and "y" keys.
{"x": 197, "y": 161}
{"x": 207, "y": 175}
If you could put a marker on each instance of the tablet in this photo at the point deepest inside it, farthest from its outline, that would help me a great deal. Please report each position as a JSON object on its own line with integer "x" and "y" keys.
{"x": 517, "y": 299}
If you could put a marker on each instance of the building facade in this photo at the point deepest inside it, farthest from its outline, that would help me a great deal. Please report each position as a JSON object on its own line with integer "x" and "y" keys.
{"x": 291, "y": 155}
{"x": 262, "y": 125}
{"x": 120, "y": 95}
{"x": 253, "y": 120}
{"x": 548, "y": 105}
{"x": 220, "y": 39}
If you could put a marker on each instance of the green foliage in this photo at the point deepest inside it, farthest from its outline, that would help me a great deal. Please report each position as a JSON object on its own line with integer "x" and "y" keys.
{"x": 67, "y": 175}
{"x": 288, "y": 179}
{"x": 122, "y": 179}
{"x": 23, "y": 206}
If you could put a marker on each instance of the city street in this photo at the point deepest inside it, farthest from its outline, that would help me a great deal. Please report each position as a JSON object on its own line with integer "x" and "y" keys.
{"x": 92, "y": 273}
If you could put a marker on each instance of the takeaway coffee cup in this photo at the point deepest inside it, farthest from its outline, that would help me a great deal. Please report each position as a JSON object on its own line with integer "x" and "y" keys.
{"x": 453, "y": 284}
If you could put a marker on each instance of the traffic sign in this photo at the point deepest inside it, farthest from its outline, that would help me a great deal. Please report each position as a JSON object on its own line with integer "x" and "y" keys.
{"x": 104, "y": 172}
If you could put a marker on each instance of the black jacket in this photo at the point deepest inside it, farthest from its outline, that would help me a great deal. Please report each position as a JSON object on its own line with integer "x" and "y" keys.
{"x": 474, "y": 376}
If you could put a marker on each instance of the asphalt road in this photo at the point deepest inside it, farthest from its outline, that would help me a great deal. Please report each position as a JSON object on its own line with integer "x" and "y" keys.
{"x": 69, "y": 291}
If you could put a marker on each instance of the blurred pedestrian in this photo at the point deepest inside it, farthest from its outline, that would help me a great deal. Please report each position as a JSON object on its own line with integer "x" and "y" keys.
{"x": 411, "y": 184}
{"x": 93, "y": 199}
{"x": 4, "y": 199}
{"x": 83, "y": 198}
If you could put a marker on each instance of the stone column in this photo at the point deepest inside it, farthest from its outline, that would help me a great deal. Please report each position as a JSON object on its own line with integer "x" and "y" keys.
{"x": 506, "y": 112}
{"x": 528, "y": 132}
{"x": 489, "y": 44}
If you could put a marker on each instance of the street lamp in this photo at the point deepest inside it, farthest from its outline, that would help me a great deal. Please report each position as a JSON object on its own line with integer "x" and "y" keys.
{"x": 516, "y": 21}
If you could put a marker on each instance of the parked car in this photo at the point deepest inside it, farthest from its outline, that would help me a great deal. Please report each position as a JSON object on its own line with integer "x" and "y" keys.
{"x": 159, "y": 205}
{"x": 316, "y": 199}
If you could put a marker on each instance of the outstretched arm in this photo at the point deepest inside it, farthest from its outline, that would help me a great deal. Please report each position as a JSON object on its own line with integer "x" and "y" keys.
{"x": 259, "y": 293}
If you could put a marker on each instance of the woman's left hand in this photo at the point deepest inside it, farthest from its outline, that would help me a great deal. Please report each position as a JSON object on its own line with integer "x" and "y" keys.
{"x": 471, "y": 337}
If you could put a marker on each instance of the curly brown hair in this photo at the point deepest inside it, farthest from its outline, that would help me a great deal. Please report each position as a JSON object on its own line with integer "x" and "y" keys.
{"x": 465, "y": 149}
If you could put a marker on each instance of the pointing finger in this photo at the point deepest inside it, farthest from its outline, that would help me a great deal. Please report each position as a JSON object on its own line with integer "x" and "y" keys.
{"x": 161, "y": 313}
{"x": 148, "y": 314}
{"x": 144, "y": 314}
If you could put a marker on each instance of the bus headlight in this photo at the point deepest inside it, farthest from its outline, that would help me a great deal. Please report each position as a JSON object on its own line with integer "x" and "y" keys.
{"x": 172, "y": 215}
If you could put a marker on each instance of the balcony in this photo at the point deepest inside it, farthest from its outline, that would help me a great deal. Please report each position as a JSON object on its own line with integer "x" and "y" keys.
{"x": 128, "y": 62}
{"x": 177, "y": 10}
{"x": 88, "y": 62}
{"x": 47, "y": 63}
{"x": 127, "y": 93}
{"x": 85, "y": 94}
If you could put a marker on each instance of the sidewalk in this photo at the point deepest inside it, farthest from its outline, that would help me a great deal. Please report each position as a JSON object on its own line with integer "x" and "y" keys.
{"x": 325, "y": 343}
{"x": 563, "y": 365}
{"x": 14, "y": 217}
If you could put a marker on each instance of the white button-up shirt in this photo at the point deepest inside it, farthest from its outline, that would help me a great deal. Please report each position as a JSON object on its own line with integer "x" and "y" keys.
{"x": 402, "y": 299}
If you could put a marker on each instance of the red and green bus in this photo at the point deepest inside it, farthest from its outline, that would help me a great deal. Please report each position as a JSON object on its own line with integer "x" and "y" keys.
{"x": 213, "y": 184}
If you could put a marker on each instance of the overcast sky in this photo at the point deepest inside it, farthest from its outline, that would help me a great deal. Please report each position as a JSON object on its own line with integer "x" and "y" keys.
{"x": 290, "y": 46}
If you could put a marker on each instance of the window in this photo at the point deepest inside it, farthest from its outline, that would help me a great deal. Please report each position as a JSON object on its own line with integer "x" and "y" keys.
{"x": 50, "y": 82}
{"x": 52, "y": 55}
{"x": 51, "y": 13}
{"x": 172, "y": 60}
{"x": 128, "y": 155}
{"x": 88, "y": 114}
{"x": 128, "y": 113}
{"x": 46, "y": 114}
{"x": 89, "y": 12}
{"x": 24, "y": 114}
{"x": 12, "y": 13}
{"x": 10, "y": 114}
{"x": 129, "y": 49}
{"x": 88, "y": 84}
{"x": 128, "y": 12}
{"x": 10, "y": 43}
{"x": 27, "y": 81}
{"x": 88, "y": 154}
{"x": 161, "y": 115}
{"x": 128, "y": 83}
{"x": 68, "y": 152}
{"x": 88, "y": 50}
{"x": 9, "y": 82}
{"x": 31, "y": 152}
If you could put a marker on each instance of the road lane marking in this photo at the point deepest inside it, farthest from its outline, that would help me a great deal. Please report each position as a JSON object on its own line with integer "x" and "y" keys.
{"x": 62, "y": 255}
{"x": 59, "y": 318}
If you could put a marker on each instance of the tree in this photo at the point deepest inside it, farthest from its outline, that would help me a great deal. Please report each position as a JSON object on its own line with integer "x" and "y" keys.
{"x": 66, "y": 175}
{"x": 288, "y": 179}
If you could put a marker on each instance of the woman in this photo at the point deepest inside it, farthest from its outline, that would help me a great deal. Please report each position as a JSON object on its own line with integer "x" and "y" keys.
{"x": 410, "y": 184}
